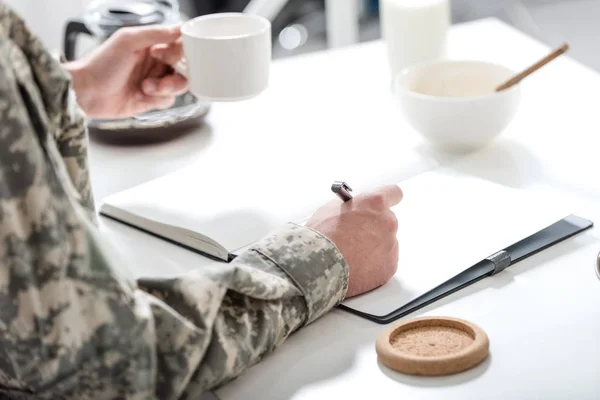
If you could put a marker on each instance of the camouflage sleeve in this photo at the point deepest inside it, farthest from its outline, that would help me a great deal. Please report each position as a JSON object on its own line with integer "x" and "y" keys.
{"x": 65, "y": 120}
{"x": 249, "y": 307}
{"x": 72, "y": 326}
{"x": 72, "y": 143}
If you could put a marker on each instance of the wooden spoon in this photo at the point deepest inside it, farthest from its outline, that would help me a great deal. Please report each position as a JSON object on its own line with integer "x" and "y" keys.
{"x": 517, "y": 78}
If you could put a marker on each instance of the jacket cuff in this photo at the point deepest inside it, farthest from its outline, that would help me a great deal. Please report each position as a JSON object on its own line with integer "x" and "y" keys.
{"x": 312, "y": 262}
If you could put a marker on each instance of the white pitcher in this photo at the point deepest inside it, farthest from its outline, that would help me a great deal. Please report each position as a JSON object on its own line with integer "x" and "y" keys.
{"x": 415, "y": 31}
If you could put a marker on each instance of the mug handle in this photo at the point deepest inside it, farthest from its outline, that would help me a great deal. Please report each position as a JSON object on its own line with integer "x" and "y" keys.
{"x": 181, "y": 68}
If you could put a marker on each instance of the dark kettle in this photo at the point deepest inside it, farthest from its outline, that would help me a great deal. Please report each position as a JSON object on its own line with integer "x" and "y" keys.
{"x": 105, "y": 17}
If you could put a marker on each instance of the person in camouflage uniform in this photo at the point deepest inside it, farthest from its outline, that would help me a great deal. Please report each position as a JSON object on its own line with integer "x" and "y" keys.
{"x": 71, "y": 325}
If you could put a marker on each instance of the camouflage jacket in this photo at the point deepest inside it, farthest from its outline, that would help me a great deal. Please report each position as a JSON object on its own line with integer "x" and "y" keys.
{"x": 71, "y": 326}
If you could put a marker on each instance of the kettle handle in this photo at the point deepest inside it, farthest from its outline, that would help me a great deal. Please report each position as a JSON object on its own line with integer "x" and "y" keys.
{"x": 74, "y": 27}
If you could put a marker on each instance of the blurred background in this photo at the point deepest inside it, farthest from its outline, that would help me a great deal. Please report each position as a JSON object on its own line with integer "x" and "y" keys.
{"x": 301, "y": 26}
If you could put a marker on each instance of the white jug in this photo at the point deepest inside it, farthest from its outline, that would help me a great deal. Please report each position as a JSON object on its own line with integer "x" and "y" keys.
{"x": 415, "y": 31}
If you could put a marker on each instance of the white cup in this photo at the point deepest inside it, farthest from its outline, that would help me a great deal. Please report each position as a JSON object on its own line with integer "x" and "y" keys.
{"x": 227, "y": 56}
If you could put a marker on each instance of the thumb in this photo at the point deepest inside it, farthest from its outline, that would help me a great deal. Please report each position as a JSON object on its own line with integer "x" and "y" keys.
{"x": 139, "y": 38}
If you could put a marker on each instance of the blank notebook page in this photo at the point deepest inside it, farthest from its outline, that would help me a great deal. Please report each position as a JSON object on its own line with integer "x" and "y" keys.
{"x": 233, "y": 206}
{"x": 448, "y": 222}
{"x": 234, "y": 214}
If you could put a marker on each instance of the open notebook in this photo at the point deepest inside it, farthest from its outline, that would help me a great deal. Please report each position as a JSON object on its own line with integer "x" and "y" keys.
{"x": 449, "y": 222}
{"x": 214, "y": 217}
{"x": 443, "y": 212}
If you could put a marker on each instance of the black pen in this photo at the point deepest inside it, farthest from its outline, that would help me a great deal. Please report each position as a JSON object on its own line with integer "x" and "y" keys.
{"x": 342, "y": 190}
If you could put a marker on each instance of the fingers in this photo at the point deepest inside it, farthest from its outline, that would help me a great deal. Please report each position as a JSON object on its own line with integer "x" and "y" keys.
{"x": 148, "y": 103}
{"x": 160, "y": 93}
{"x": 395, "y": 258}
{"x": 392, "y": 222}
{"x": 168, "y": 85}
{"x": 170, "y": 53}
{"x": 392, "y": 195}
{"x": 139, "y": 38}
{"x": 383, "y": 198}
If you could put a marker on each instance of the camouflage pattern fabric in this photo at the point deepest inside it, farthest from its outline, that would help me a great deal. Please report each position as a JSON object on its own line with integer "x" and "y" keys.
{"x": 71, "y": 325}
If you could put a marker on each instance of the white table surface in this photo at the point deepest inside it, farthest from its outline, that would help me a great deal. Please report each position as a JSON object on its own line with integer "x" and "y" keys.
{"x": 542, "y": 315}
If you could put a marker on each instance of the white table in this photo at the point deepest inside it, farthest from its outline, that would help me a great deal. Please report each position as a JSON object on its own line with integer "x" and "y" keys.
{"x": 542, "y": 315}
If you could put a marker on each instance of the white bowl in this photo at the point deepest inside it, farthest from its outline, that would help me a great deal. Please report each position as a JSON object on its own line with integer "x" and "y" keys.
{"x": 454, "y": 105}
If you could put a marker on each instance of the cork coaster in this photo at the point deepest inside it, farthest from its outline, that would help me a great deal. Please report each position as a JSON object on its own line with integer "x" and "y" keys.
{"x": 433, "y": 346}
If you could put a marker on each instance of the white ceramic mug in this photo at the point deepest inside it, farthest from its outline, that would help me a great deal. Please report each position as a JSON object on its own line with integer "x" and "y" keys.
{"x": 227, "y": 56}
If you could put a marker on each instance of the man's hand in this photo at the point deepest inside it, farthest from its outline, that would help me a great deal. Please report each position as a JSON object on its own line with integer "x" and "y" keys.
{"x": 130, "y": 73}
{"x": 364, "y": 230}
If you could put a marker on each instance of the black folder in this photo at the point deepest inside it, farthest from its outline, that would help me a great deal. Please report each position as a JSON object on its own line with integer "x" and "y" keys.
{"x": 492, "y": 265}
